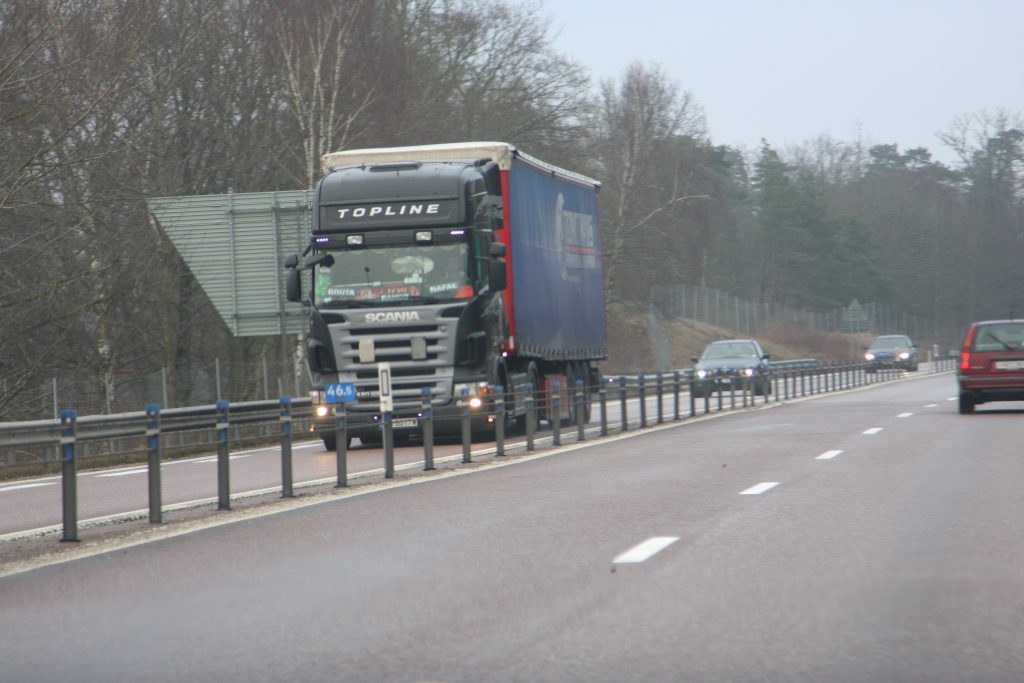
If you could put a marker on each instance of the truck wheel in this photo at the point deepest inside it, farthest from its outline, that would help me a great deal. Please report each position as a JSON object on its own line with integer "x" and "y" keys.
{"x": 331, "y": 442}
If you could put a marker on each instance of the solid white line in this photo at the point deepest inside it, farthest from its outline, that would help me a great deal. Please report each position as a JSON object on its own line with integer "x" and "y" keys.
{"x": 645, "y": 550}
{"x": 828, "y": 455}
{"x": 904, "y": 415}
{"x": 873, "y": 430}
{"x": 26, "y": 486}
{"x": 759, "y": 488}
{"x": 206, "y": 461}
{"x": 122, "y": 474}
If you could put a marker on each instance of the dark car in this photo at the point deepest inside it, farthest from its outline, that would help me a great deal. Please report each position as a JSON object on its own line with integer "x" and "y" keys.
{"x": 991, "y": 363}
{"x": 731, "y": 364}
{"x": 891, "y": 351}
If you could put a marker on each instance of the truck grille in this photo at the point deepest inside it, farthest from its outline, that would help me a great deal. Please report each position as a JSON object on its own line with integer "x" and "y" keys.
{"x": 394, "y": 343}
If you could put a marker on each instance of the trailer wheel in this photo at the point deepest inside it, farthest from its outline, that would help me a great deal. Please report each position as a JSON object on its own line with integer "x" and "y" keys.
{"x": 539, "y": 402}
{"x": 588, "y": 392}
{"x": 571, "y": 373}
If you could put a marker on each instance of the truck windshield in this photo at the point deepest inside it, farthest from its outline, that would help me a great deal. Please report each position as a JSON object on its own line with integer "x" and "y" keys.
{"x": 435, "y": 272}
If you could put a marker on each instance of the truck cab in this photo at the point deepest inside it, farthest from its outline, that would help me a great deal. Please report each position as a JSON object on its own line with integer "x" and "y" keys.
{"x": 403, "y": 267}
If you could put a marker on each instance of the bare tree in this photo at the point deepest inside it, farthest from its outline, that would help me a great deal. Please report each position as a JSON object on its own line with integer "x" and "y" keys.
{"x": 637, "y": 126}
{"x": 327, "y": 78}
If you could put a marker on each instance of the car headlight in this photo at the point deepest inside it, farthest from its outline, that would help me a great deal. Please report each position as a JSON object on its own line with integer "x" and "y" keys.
{"x": 904, "y": 355}
{"x": 702, "y": 374}
{"x": 869, "y": 356}
{"x": 748, "y": 372}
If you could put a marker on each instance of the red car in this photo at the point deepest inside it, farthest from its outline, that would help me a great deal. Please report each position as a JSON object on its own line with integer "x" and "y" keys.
{"x": 992, "y": 363}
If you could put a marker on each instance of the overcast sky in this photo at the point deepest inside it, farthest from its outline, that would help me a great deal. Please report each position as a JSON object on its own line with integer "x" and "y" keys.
{"x": 887, "y": 71}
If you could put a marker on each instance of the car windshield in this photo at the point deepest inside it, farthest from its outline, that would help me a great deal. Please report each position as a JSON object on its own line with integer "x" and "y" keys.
{"x": 889, "y": 344}
{"x": 1008, "y": 337}
{"x": 730, "y": 350}
{"x": 395, "y": 274}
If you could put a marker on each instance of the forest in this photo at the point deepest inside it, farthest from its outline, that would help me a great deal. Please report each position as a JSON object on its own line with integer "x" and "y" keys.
{"x": 105, "y": 103}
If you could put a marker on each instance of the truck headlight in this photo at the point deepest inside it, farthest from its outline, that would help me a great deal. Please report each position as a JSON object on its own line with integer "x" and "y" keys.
{"x": 869, "y": 356}
{"x": 472, "y": 393}
{"x": 323, "y": 410}
{"x": 702, "y": 374}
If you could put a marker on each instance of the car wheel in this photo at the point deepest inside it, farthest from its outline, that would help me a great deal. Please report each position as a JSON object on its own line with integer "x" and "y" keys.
{"x": 966, "y": 403}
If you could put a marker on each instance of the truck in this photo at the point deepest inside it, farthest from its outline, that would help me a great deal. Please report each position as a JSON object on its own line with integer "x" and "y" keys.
{"x": 470, "y": 269}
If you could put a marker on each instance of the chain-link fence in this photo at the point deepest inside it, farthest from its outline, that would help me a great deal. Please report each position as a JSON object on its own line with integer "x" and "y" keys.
{"x": 722, "y": 309}
{"x": 262, "y": 379}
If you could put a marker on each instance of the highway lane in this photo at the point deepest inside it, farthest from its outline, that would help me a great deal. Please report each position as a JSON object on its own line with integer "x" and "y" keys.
{"x": 866, "y": 536}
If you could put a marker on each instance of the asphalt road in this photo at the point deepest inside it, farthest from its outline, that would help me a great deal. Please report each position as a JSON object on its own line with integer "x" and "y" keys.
{"x": 865, "y": 536}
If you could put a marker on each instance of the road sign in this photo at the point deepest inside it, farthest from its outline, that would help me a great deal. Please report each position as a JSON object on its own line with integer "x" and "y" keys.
{"x": 855, "y": 319}
{"x": 344, "y": 392}
{"x": 387, "y": 404}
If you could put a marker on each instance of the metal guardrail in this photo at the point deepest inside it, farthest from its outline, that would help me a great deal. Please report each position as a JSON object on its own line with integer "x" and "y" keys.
{"x": 153, "y": 429}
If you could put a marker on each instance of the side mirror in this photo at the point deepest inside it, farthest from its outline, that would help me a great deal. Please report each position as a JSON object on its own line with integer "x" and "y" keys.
{"x": 322, "y": 259}
{"x": 766, "y": 356}
{"x": 694, "y": 359}
{"x": 492, "y": 178}
{"x": 496, "y": 276}
{"x": 497, "y": 250}
{"x": 291, "y": 261}
{"x": 293, "y": 286}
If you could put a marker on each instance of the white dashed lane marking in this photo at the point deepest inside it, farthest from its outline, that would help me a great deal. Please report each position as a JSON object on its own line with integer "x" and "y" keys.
{"x": 905, "y": 415}
{"x": 828, "y": 455}
{"x": 873, "y": 430}
{"x": 758, "y": 489}
{"x": 645, "y": 550}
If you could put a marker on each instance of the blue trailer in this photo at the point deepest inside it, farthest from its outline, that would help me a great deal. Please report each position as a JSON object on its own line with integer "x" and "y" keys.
{"x": 466, "y": 267}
